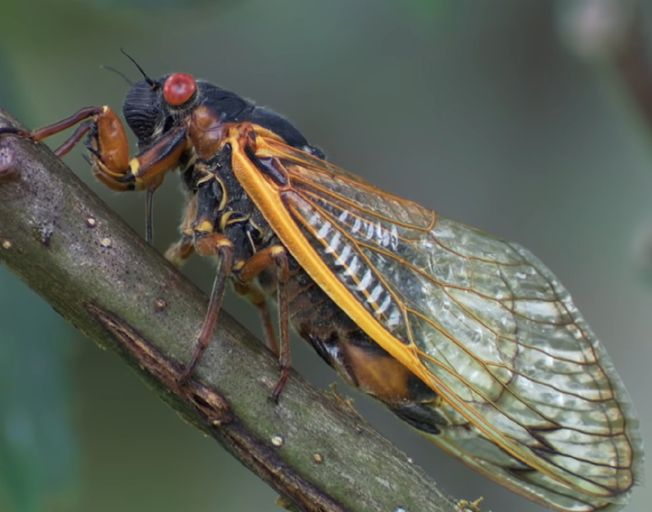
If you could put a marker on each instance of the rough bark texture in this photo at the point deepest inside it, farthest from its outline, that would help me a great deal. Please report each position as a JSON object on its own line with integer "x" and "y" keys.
{"x": 63, "y": 242}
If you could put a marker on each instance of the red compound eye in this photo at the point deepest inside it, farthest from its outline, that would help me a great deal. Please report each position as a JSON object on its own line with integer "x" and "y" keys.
{"x": 178, "y": 89}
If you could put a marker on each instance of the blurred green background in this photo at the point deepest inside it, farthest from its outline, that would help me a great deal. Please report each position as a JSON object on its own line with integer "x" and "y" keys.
{"x": 479, "y": 110}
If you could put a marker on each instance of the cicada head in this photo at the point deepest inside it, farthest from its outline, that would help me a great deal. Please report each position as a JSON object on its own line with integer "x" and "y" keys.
{"x": 154, "y": 107}
{"x": 143, "y": 112}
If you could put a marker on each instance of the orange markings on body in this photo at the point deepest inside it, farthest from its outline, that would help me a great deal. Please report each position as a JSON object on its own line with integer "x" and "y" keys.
{"x": 382, "y": 376}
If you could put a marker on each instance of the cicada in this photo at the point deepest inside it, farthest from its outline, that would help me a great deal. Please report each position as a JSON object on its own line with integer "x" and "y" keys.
{"x": 468, "y": 338}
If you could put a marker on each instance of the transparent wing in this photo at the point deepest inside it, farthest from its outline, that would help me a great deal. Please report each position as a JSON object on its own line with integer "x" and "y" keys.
{"x": 532, "y": 398}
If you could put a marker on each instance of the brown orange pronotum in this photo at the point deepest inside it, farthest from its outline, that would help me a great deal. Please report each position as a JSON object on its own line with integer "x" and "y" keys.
{"x": 468, "y": 338}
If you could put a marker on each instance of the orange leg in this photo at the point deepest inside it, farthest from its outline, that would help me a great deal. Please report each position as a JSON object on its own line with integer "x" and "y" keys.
{"x": 179, "y": 252}
{"x": 47, "y": 131}
{"x": 110, "y": 151}
{"x": 274, "y": 256}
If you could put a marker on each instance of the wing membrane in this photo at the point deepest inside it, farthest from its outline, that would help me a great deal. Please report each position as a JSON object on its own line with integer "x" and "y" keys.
{"x": 533, "y": 400}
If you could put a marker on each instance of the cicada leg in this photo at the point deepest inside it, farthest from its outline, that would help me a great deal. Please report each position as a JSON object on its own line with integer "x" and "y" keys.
{"x": 149, "y": 216}
{"x": 211, "y": 244}
{"x": 110, "y": 151}
{"x": 179, "y": 252}
{"x": 47, "y": 131}
{"x": 110, "y": 148}
{"x": 215, "y": 244}
{"x": 112, "y": 166}
{"x": 275, "y": 256}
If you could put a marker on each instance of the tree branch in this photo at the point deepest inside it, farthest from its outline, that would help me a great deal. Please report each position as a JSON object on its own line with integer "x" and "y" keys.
{"x": 60, "y": 239}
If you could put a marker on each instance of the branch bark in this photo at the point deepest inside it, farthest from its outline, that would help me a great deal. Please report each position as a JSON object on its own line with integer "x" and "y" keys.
{"x": 59, "y": 238}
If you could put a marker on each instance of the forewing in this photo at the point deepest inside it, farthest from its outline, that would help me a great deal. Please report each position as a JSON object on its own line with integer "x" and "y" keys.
{"x": 532, "y": 398}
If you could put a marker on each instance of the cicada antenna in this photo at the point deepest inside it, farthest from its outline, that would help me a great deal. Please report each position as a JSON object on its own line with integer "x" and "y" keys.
{"x": 119, "y": 73}
{"x": 151, "y": 82}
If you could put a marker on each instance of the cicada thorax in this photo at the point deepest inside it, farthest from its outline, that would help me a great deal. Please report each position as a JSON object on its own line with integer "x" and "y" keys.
{"x": 219, "y": 204}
